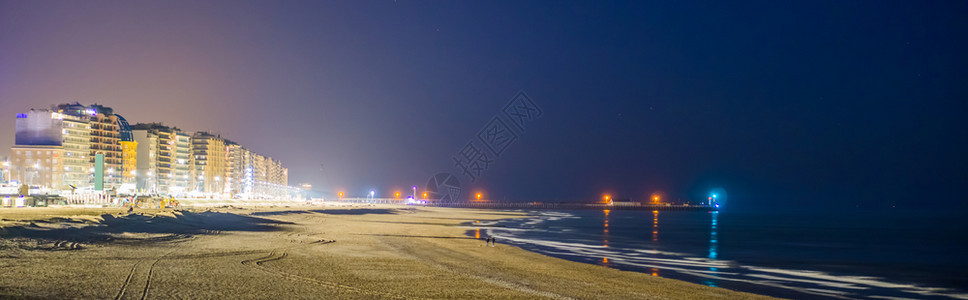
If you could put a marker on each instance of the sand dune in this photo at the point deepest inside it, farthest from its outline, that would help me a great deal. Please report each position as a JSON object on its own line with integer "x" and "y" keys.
{"x": 294, "y": 252}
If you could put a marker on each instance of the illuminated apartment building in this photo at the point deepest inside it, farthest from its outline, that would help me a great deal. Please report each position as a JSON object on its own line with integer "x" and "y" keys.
{"x": 258, "y": 176}
{"x": 146, "y": 172}
{"x": 77, "y": 148}
{"x": 39, "y": 166}
{"x": 182, "y": 168}
{"x": 56, "y": 149}
{"x": 210, "y": 154}
{"x": 129, "y": 155}
{"x": 105, "y": 139}
{"x": 234, "y": 169}
{"x": 106, "y": 129}
{"x": 171, "y": 158}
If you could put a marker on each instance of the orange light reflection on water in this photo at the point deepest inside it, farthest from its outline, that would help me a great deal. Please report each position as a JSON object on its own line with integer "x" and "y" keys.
{"x": 605, "y": 230}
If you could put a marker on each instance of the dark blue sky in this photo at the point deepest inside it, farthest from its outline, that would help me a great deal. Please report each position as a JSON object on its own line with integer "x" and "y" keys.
{"x": 780, "y": 103}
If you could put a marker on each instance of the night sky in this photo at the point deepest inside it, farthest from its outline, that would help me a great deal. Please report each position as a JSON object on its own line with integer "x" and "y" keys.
{"x": 781, "y": 103}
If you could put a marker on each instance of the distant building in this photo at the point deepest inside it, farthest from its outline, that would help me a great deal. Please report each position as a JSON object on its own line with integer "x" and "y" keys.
{"x": 251, "y": 175}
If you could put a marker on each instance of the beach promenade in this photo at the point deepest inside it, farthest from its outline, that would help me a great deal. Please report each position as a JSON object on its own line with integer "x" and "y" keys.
{"x": 313, "y": 252}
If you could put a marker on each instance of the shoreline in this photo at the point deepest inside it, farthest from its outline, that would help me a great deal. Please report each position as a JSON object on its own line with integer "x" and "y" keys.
{"x": 374, "y": 251}
{"x": 565, "y": 237}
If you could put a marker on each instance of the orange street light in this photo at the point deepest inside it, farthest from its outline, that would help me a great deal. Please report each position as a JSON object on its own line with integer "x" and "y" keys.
{"x": 425, "y": 195}
{"x": 396, "y": 195}
{"x": 340, "y": 194}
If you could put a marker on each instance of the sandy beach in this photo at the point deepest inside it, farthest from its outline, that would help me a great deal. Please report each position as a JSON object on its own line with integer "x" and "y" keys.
{"x": 361, "y": 252}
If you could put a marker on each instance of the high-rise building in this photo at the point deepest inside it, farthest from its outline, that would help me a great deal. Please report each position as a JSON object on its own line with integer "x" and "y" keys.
{"x": 129, "y": 155}
{"x": 234, "y": 169}
{"x": 210, "y": 154}
{"x": 105, "y": 139}
{"x": 172, "y": 158}
{"x": 77, "y": 149}
{"x": 182, "y": 169}
{"x": 105, "y": 131}
{"x": 146, "y": 172}
{"x": 258, "y": 176}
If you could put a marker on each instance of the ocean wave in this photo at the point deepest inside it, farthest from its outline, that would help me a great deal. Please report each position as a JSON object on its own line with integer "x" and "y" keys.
{"x": 711, "y": 271}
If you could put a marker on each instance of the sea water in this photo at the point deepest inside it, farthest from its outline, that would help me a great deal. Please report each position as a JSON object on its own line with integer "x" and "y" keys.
{"x": 884, "y": 255}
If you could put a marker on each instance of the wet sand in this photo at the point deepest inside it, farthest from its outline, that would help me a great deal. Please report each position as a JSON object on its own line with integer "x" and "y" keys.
{"x": 294, "y": 252}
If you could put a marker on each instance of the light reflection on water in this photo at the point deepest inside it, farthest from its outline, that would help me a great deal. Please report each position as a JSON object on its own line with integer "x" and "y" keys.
{"x": 605, "y": 236}
{"x": 691, "y": 249}
{"x": 713, "y": 247}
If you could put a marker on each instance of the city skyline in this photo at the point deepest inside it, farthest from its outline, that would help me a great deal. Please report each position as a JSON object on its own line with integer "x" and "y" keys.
{"x": 91, "y": 148}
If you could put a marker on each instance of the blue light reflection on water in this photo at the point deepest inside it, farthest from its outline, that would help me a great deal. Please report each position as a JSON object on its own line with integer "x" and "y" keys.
{"x": 713, "y": 246}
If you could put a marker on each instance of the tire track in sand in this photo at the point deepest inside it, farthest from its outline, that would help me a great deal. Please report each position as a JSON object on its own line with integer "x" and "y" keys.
{"x": 151, "y": 269}
{"x": 127, "y": 280}
{"x": 133, "y": 272}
